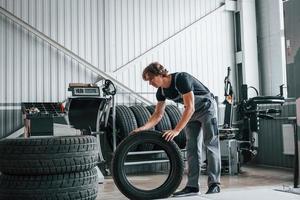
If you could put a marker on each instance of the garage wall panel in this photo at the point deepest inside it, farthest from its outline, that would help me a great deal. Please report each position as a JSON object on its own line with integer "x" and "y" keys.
{"x": 67, "y": 22}
{"x": 120, "y": 37}
{"x": 199, "y": 49}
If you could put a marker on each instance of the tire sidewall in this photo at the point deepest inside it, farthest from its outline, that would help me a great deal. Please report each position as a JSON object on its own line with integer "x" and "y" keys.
{"x": 176, "y": 166}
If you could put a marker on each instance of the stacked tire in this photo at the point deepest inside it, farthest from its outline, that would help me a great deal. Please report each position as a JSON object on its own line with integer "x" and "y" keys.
{"x": 58, "y": 168}
{"x": 175, "y": 115}
{"x": 125, "y": 123}
{"x": 130, "y": 118}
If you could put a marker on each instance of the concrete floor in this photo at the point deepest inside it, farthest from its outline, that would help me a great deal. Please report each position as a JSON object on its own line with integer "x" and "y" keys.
{"x": 252, "y": 183}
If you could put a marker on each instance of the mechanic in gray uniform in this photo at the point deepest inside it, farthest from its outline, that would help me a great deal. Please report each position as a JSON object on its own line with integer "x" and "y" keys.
{"x": 200, "y": 112}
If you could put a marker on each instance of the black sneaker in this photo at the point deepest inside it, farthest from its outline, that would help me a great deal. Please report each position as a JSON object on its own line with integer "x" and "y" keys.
{"x": 187, "y": 191}
{"x": 214, "y": 188}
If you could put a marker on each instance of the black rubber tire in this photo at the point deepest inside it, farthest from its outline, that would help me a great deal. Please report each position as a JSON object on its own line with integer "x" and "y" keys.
{"x": 69, "y": 186}
{"x": 176, "y": 166}
{"x": 142, "y": 115}
{"x": 164, "y": 124}
{"x": 175, "y": 115}
{"x": 125, "y": 123}
{"x": 48, "y": 155}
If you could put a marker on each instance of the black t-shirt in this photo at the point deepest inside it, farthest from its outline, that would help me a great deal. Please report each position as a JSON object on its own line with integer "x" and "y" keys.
{"x": 181, "y": 83}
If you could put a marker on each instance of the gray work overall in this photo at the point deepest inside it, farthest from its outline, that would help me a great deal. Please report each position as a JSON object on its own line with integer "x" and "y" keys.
{"x": 205, "y": 117}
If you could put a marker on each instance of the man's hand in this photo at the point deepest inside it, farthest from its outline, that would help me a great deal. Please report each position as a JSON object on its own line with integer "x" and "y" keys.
{"x": 137, "y": 130}
{"x": 170, "y": 134}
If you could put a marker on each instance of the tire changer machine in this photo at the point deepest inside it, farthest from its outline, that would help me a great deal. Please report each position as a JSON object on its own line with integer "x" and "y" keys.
{"x": 238, "y": 143}
{"x": 88, "y": 110}
{"x": 249, "y": 111}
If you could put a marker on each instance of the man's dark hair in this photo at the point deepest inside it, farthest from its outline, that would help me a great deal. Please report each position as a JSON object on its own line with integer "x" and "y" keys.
{"x": 154, "y": 69}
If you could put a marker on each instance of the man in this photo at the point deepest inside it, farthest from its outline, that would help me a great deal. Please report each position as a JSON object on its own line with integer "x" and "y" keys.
{"x": 199, "y": 113}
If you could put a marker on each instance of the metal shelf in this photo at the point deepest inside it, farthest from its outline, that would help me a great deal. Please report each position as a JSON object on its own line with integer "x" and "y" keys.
{"x": 146, "y": 162}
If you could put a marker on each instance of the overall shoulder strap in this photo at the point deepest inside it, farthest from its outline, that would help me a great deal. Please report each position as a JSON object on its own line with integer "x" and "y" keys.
{"x": 175, "y": 79}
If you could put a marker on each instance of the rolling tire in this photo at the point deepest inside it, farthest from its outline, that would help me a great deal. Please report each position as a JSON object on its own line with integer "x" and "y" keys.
{"x": 142, "y": 115}
{"x": 48, "y": 155}
{"x": 68, "y": 186}
{"x": 175, "y": 115}
{"x": 174, "y": 176}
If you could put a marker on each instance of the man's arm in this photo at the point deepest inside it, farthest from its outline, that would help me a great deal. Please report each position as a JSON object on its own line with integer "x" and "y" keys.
{"x": 155, "y": 117}
{"x": 189, "y": 109}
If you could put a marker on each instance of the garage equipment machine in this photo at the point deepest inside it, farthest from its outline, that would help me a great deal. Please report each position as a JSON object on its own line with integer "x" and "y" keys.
{"x": 88, "y": 110}
{"x": 249, "y": 112}
{"x": 238, "y": 145}
{"x": 228, "y": 144}
{"x": 39, "y": 116}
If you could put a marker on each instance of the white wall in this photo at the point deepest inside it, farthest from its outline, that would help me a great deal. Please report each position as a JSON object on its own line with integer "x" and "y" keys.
{"x": 120, "y": 37}
{"x": 204, "y": 49}
{"x": 33, "y": 70}
{"x": 109, "y": 34}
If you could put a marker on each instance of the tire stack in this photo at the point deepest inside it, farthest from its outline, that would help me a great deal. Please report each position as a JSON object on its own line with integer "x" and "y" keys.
{"x": 130, "y": 118}
{"x": 56, "y": 168}
{"x": 175, "y": 115}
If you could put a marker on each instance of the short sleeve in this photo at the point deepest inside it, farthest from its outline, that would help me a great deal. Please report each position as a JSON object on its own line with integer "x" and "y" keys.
{"x": 159, "y": 95}
{"x": 184, "y": 83}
